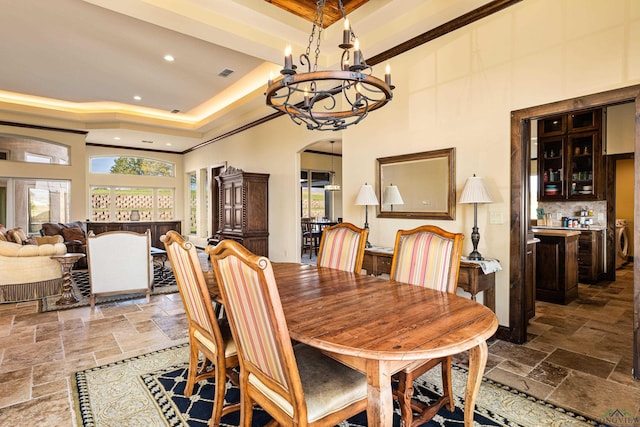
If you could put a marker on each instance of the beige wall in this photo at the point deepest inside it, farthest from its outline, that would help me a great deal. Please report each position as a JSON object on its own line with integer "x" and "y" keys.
{"x": 457, "y": 91}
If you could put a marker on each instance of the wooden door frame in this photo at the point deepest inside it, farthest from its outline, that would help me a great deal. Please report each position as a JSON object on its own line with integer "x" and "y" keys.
{"x": 520, "y": 149}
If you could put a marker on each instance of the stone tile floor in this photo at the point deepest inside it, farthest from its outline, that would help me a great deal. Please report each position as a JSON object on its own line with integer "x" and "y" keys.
{"x": 578, "y": 356}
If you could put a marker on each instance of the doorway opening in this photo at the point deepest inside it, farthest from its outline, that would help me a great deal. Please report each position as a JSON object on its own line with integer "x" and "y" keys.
{"x": 520, "y": 190}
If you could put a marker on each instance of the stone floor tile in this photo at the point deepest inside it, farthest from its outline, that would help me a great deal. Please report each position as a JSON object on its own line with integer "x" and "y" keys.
{"x": 50, "y": 410}
{"x": 15, "y": 387}
{"x": 580, "y": 362}
{"x": 548, "y": 373}
{"x": 21, "y": 356}
{"x": 515, "y": 367}
{"x": 594, "y": 396}
{"x": 524, "y": 355}
{"x": 525, "y": 384}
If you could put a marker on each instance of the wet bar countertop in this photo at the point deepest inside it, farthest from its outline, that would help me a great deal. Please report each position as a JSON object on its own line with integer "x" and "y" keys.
{"x": 557, "y": 232}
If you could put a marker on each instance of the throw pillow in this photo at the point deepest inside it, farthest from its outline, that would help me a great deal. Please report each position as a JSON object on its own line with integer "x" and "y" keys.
{"x": 48, "y": 240}
{"x": 73, "y": 233}
{"x": 17, "y": 235}
{"x": 3, "y": 233}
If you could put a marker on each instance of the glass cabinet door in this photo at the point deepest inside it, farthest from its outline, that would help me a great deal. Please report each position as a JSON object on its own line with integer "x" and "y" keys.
{"x": 583, "y": 170}
{"x": 550, "y": 168}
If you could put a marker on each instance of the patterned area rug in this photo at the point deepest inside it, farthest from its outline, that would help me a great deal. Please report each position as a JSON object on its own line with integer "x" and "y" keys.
{"x": 163, "y": 283}
{"x": 148, "y": 390}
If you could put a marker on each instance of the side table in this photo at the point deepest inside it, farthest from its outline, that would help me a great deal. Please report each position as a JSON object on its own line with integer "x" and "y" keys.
{"x": 66, "y": 261}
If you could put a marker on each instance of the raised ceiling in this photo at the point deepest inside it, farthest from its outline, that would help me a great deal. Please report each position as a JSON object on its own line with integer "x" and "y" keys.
{"x": 307, "y": 9}
{"x": 77, "y": 64}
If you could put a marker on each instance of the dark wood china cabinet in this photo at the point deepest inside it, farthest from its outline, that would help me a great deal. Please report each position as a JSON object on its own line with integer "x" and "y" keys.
{"x": 570, "y": 160}
{"x": 243, "y": 209}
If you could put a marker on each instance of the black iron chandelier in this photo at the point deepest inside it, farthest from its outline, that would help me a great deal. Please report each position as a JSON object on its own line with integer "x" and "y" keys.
{"x": 313, "y": 97}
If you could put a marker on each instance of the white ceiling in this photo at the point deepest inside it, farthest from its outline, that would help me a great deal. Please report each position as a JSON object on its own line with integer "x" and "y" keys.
{"x": 78, "y": 63}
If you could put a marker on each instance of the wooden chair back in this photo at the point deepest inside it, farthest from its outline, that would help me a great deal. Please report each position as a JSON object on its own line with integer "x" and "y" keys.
{"x": 269, "y": 372}
{"x": 192, "y": 286}
{"x": 253, "y": 307}
{"x": 342, "y": 247}
{"x": 205, "y": 334}
{"x": 119, "y": 262}
{"x": 427, "y": 256}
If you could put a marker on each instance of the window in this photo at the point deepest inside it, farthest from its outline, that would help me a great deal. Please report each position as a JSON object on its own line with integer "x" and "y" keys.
{"x": 315, "y": 201}
{"x": 21, "y": 149}
{"x": 36, "y": 158}
{"x": 130, "y": 166}
{"x": 46, "y": 201}
{"x": 117, "y": 203}
{"x": 193, "y": 204}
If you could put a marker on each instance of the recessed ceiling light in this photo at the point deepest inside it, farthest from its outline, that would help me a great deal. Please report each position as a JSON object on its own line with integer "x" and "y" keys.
{"x": 169, "y": 58}
{"x": 117, "y": 138}
{"x": 137, "y": 97}
{"x": 169, "y": 144}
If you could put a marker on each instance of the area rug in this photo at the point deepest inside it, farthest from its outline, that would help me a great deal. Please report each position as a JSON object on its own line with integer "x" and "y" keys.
{"x": 163, "y": 283}
{"x": 149, "y": 390}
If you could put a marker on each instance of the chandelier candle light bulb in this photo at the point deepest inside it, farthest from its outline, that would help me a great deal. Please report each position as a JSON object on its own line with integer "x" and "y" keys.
{"x": 288, "y": 59}
{"x": 306, "y": 97}
{"x": 357, "y": 54}
{"x": 346, "y": 35}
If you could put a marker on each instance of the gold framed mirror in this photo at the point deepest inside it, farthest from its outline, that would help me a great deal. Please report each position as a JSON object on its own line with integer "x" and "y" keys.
{"x": 418, "y": 185}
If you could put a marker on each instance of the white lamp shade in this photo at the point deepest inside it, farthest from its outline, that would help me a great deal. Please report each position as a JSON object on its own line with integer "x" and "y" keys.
{"x": 366, "y": 196}
{"x": 475, "y": 191}
{"x": 392, "y": 196}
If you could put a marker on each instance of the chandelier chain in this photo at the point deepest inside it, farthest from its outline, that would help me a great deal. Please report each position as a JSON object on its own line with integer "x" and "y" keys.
{"x": 318, "y": 19}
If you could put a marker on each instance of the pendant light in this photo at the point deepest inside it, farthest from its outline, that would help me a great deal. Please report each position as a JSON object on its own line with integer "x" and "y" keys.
{"x": 332, "y": 186}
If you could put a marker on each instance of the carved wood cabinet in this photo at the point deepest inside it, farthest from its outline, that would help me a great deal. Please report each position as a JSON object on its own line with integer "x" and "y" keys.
{"x": 243, "y": 209}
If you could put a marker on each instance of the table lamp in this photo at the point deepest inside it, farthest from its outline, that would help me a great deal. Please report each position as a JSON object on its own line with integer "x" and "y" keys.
{"x": 392, "y": 196}
{"x": 475, "y": 192}
{"x": 366, "y": 197}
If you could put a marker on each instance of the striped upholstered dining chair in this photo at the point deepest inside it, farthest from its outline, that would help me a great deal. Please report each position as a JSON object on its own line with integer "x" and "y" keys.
{"x": 342, "y": 247}
{"x": 295, "y": 385}
{"x": 206, "y": 335}
{"x": 425, "y": 256}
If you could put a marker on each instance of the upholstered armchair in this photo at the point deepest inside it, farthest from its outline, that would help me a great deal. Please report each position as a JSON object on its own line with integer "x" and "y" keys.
{"x": 28, "y": 272}
{"x": 74, "y": 237}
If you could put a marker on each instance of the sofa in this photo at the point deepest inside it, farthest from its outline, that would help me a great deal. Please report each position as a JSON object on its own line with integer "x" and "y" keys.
{"x": 74, "y": 237}
{"x": 28, "y": 272}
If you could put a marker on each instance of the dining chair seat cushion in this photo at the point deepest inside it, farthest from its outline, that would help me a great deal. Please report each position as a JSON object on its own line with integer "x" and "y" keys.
{"x": 229, "y": 344}
{"x": 342, "y": 249}
{"x": 428, "y": 264}
{"x": 328, "y": 385}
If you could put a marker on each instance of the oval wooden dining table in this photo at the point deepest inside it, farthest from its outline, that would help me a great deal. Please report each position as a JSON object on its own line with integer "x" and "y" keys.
{"x": 378, "y": 326}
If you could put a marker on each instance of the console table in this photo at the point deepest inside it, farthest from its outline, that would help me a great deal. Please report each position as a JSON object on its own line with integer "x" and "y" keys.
{"x": 471, "y": 279}
{"x": 158, "y": 228}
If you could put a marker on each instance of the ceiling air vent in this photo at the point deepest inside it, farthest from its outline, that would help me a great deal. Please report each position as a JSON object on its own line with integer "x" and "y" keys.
{"x": 175, "y": 111}
{"x": 145, "y": 141}
{"x": 225, "y": 73}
